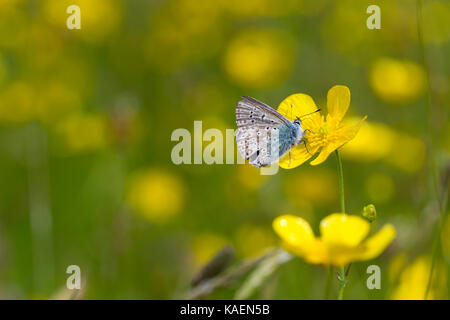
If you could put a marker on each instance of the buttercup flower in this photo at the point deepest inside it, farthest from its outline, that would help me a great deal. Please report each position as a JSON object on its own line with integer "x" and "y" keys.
{"x": 326, "y": 134}
{"x": 413, "y": 280}
{"x": 341, "y": 240}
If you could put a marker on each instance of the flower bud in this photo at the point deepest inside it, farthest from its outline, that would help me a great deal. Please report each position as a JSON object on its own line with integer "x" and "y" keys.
{"x": 369, "y": 213}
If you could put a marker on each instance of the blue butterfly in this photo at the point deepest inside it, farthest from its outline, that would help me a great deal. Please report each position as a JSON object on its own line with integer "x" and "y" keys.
{"x": 264, "y": 135}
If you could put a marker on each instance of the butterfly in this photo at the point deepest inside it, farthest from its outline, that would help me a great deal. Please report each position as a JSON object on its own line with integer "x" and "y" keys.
{"x": 264, "y": 135}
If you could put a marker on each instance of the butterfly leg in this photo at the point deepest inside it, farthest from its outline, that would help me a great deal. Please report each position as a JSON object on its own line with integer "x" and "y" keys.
{"x": 306, "y": 146}
{"x": 307, "y": 130}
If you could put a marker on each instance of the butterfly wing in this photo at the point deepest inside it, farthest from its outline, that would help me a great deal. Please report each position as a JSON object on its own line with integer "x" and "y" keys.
{"x": 259, "y": 126}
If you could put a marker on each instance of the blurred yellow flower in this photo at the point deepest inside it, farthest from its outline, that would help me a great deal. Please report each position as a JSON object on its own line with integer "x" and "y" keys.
{"x": 14, "y": 22}
{"x": 252, "y": 8}
{"x": 99, "y": 18}
{"x": 156, "y": 194}
{"x": 341, "y": 240}
{"x": 327, "y": 135}
{"x": 397, "y": 81}
{"x": 409, "y": 153}
{"x": 321, "y": 188}
{"x": 373, "y": 142}
{"x": 47, "y": 45}
{"x": 360, "y": 45}
{"x": 17, "y": 102}
{"x": 396, "y": 265}
{"x": 377, "y": 141}
{"x": 259, "y": 58}
{"x": 252, "y": 240}
{"x": 182, "y": 31}
{"x": 413, "y": 280}
{"x": 250, "y": 177}
{"x": 83, "y": 132}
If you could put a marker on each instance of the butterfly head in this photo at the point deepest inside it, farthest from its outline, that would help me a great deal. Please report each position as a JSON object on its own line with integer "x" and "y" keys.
{"x": 297, "y": 121}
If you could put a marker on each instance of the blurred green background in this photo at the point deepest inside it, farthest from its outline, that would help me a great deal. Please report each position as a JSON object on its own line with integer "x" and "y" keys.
{"x": 86, "y": 118}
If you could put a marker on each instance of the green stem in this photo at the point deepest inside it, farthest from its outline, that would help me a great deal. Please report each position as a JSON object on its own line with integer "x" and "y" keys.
{"x": 430, "y": 146}
{"x": 328, "y": 282}
{"x": 341, "y": 181}
{"x": 342, "y": 283}
{"x": 342, "y": 277}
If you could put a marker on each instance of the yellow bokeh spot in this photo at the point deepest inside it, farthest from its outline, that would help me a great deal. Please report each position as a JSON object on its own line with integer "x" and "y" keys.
{"x": 49, "y": 101}
{"x": 259, "y": 58}
{"x": 377, "y": 141}
{"x": 380, "y": 187}
{"x": 252, "y": 8}
{"x": 157, "y": 195}
{"x": 14, "y": 22}
{"x": 397, "y": 81}
{"x": 413, "y": 280}
{"x": 252, "y": 240}
{"x": 396, "y": 266}
{"x": 250, "y": 177}
{"x": 206, "y": 245}
{"x": 317, "y": 187}
{"x": 182, "y": 31}
{"x": 17, "y": 103}
{"x": 83, "y": 132}
{"x": 99, "y": 18}
{"x": 373, "y": 141}
{"x": 408, "y": 154}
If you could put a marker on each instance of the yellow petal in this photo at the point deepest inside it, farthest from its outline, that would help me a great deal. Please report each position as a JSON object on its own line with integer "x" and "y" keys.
{"x": 298, "y": 156}
{"x": 336, "y": 140}
{"x": 339, "y": 229}
{"x": 298, "y": 238}
{"x": 293, "y": 230}
{"x": 338, "y": 101}
{"x": 376, "y": 244}
{"x": 340, "y": 256}
{"x": 297, "y": 105}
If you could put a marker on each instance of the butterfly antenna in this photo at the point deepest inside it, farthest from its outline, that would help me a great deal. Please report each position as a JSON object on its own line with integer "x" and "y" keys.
{"x": 291, "y": 110}
{"x": 308, "y": 113}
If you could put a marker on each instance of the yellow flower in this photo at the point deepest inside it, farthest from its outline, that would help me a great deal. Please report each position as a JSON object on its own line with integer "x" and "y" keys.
{"x": 255, "y": 53}
{"x": 341, "y": 240}
{"x": 158, "y": 195}
{"x": 83, "y": 132}
{"x": 413, "y": 280}
{"x": 98, "y": 18}
{"x": 327, "y": 134}
{"x": 397, "y": 81}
